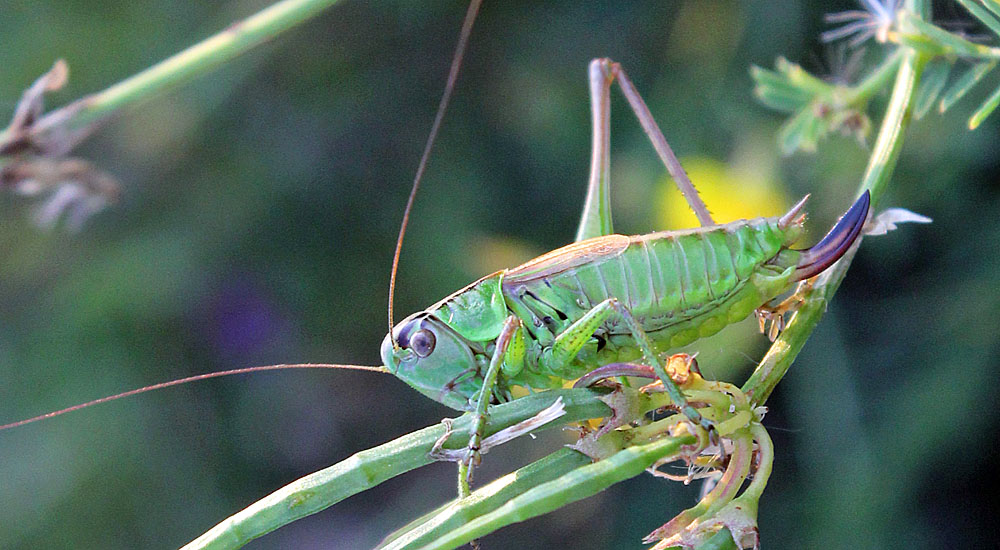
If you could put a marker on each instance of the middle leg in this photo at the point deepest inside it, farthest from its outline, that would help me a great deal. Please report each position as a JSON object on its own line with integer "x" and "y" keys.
{"x": 569, "y": 343}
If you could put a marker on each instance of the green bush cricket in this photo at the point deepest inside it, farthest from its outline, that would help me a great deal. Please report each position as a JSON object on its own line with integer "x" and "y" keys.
{"x": 559, "y": 332}
{"x": 522, "y": 370}
{"x": 606, "y": 298}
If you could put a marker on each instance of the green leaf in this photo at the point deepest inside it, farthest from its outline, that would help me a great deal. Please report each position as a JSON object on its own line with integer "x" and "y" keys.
{"x": 803, "y": 131}
{"x": 778, "y": 100}
{"x": 801, "y": 78}
{"x": 772, "y": 79}
{"x": 815, "y": 129}
{"x": 950, "y": 42}
{"x": 965, "y": 83}
{"x": 777, "y": 91}
{"x": 792, "y": 131}
{"x": 993, "y": 6}
{"x": 982, "y": 14}
{"x": 789, "y": 87}
{"x": 922, "y": 44}
{"x": 931, "y": 83}
{"x": 984, "y": 110}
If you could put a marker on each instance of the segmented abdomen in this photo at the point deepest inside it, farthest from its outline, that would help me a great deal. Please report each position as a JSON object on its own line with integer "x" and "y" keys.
{"x": 668, "y": 280}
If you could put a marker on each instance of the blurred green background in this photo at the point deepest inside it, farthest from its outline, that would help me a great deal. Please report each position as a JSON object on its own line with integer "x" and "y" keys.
{"x": 260, "y": 208}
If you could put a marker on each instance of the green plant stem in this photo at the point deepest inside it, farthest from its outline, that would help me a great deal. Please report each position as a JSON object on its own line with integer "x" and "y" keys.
{"x": 786, "y": 347}
{"x": 723, "y": 540}
{"x": 876, "y": 81}
{"x": 935, "y": 40}
{"x": 571, "y": 487}
{"x": 198, "y": 59}
{"x": 369, "y": 468}
{"x": 982, "y": 14}
{"x": 484, "y": 500}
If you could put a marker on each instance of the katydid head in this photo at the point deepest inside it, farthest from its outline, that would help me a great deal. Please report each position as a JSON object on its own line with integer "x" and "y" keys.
{"x": 435, "y": 360}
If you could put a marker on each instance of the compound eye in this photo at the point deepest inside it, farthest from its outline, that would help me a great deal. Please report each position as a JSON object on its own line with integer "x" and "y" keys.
{"x": 422, "y": 342}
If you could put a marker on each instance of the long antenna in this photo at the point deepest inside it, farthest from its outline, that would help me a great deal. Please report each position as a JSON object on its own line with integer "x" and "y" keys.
{"x": 180, "y": 381}
{"x": 456, "y": 62}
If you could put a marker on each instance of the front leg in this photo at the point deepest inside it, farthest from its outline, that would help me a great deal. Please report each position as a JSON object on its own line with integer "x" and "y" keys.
{"x": 507, "y": 354}
{"x": 569, "y": 343}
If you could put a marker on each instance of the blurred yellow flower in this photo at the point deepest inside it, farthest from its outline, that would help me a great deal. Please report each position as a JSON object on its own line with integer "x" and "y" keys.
{"x": 730, "y": 194}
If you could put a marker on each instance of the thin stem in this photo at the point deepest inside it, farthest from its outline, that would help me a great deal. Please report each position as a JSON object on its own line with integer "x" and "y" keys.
{"x": 876, "y": 81}
{"x": 198, "y": 59}
{"x": 940, "y": 41}
{"x": 369, "y": 468}
{"x": 486, "y": 500}
{"x": 782, "y": 353}
{"x": 575, "y": 485}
